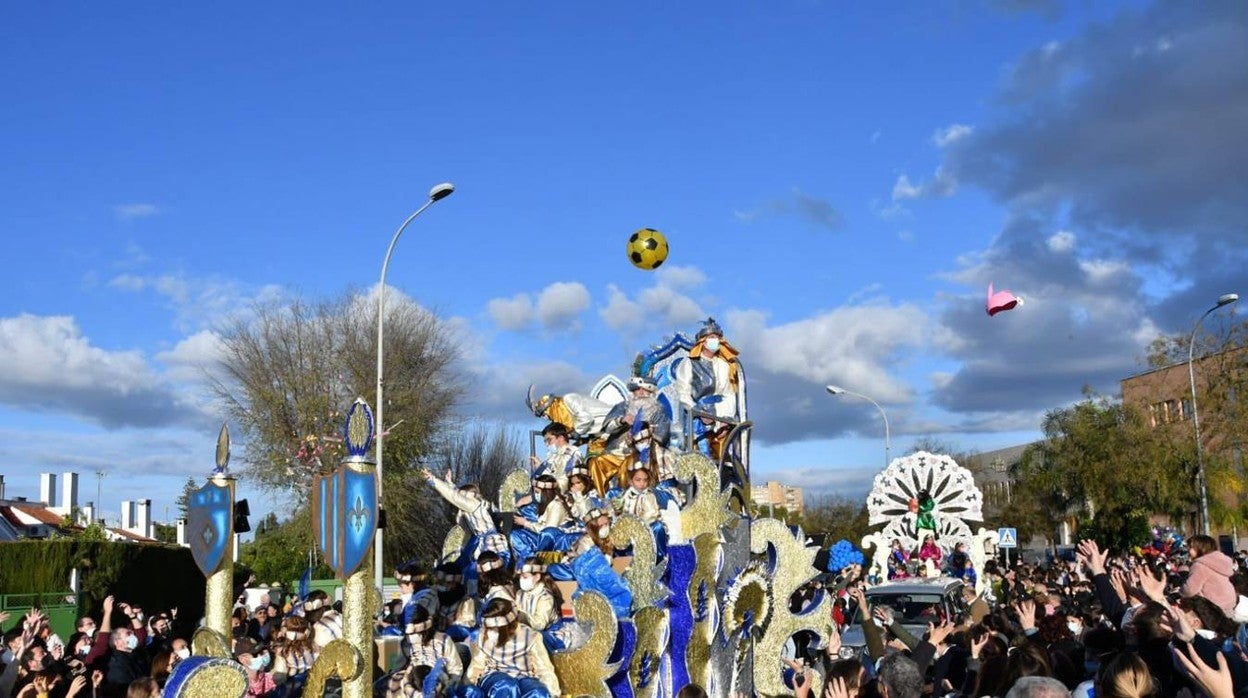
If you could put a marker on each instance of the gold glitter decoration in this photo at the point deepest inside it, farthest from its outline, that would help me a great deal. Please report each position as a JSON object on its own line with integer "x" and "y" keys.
{"x": 793, "y": 566}
{"x": 708, "y": 512}
{"x": 584, "y": 671}
{"x": 652, "y": 636}
{"x": 643, "y": 574}
{"x": 207, "y": 642}
{"x": 358, "y": 606}
{"x": 748, "y": 593}
{"x": 517, "y": 482}
{"x": 216, "y": 678}
{"x": 702, "y": 583}
{"x": 223, "y": 447}
{"x": 338, "y": 658}
{"x": 219, "y": 590}
{"x": 359, "y": 435}
{"x": 454, "y": 543}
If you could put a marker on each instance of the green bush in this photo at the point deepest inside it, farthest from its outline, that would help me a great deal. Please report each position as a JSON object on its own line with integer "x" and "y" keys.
{"x": 152, "y": 576}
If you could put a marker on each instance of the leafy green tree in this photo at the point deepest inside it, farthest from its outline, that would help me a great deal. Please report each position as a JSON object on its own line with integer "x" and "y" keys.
{"x": 1100, "y": 461}
{"x": 1221, "y": 373}
{"x": 291, "y": 371}
{"x": 165, "y": 533}
{"x": 280, "y": 551}
{"x": 836, "y": 517}
{"x": 184, "y": 499}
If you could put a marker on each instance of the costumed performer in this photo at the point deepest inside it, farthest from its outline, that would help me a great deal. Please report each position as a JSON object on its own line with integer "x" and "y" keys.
{"x": 425, "y": 646}
{"x": 476, "y": 515}
{"x": 588, "y": 563}
{"x": 540, "y": 603}
{"x": 561, "y": 457}
{"x": 509, "y": 660}
{"x": 609, "y": 461}
{"x": 326, "y": 622}
{"x": 581, "y": 496}
{"x": 709, "y": 380}
{"x": 543, "y": 531}
{"x": 457, "y": 610}
{"x": 898, "y": 561}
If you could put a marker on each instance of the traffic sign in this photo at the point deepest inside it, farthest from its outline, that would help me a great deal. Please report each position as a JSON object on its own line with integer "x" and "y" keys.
{"x": 1007, "y": 538}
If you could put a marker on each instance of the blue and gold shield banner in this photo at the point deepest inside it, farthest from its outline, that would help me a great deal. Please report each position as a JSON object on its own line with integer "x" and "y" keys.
{"x": 210, "y": 525}
{"x": 344, "y": 507}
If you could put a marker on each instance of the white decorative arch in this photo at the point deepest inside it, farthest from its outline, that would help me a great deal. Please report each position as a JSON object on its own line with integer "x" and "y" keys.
{"x": 958, "y": 501}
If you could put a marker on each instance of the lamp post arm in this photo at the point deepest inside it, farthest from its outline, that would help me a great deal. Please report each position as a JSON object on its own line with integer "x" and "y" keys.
{"x": 379, "y": 537}
{"x": 1200, "y": 461}
{"x": 887, "y": 436}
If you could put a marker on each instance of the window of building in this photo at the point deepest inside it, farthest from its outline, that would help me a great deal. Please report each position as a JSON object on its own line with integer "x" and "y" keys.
{"x": 1186, "y": 407}
{"x": 1172, "y": 411}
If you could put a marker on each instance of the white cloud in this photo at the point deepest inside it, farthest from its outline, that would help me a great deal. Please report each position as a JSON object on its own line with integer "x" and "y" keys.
{"x": 669, "y": 306}
{"x": 129, "y": 212}
{"x": 951, "y": 134}
{"x": 681, "y": 277}
{"x": 511, "y": 313}
{"x": 46, "y": 363}
{"x": 852, "y": 346}
{"x": 942, "y": 184}
{"x": 191, "y": 358}
{"x": 1062, "y": 241}
{"x": 561, "y": 303}
{"x": 620, "y": 313}
{"x": 199, "y": 302}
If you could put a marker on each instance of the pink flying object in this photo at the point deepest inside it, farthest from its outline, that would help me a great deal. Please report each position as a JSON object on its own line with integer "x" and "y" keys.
{"x": 1001, "y": 300}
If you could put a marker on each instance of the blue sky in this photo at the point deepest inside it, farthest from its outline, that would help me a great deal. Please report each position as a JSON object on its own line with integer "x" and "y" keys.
{"x": 838, "y": 185}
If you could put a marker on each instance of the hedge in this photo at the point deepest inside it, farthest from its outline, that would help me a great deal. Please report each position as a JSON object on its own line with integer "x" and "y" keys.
{"x": 152, "y": 576}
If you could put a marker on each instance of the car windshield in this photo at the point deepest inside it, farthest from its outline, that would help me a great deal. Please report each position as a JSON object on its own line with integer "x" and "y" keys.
{"x": 908, "y": 609}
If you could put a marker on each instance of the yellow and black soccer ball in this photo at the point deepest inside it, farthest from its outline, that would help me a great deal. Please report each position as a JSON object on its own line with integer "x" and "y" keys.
{"x": 647, "y": 249}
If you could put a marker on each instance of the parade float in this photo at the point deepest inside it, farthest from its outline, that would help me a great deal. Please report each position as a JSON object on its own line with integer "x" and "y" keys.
{"x": 708, "y": 594}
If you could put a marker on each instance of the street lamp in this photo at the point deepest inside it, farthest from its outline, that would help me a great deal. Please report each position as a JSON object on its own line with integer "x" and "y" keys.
{"x": 436, "y": 194}
{"x": 1225, "y": 299}
{"x": 837, "y": 390}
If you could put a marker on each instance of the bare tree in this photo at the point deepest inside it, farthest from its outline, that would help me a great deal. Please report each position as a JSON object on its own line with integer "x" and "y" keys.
{"x": 291, "y": 371}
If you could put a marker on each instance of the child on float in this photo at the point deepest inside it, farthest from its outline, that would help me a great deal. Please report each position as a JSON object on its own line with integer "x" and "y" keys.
{"x": 540, "y": 603}
{"x": 640, "y": 501}
{"x": 457, "y": 610}
{"x": 425, "y": 646}
{"x": 477, "y": 516}
{"x": 509, "y": 659}
{"x": 659, "y": 461}
{"x": 541, "y": 529}
{"x": 293, "y": 655}
{"x": 561, "y": 456}
{"x": 898, "y": 560}
{"x": 581, "y": 496}
{"x": 413, "y": 592}
{"x": 496, "y": 579}
{"x": 588, "y": 563}
{"x": 931, "y": 554}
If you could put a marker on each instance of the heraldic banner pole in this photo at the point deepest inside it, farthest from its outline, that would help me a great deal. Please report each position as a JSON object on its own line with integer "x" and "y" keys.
{"x": 344, "y": 522}
{"x": 219, "y": 601}
{"x": 210, "y": 533}
{"x": 357, "y": 613}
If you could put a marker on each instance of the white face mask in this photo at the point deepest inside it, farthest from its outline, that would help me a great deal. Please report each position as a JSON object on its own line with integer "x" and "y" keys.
{"x": 528, "y": 583}
{"x": 604, "y": 530}
{"x": 1075, "y": 628}
{"x": 183, "y": 653}
{"x": 711, "y": 344}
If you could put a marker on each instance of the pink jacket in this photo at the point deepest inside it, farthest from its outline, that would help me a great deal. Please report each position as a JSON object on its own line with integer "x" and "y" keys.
{"x": 1211, "y": 578}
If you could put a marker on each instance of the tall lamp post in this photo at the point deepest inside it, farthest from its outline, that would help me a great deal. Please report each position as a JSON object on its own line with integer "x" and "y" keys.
{"x": 1225, "y": 299}
{"x": 436, "y": 194}
{"x": 837, "y": 390}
